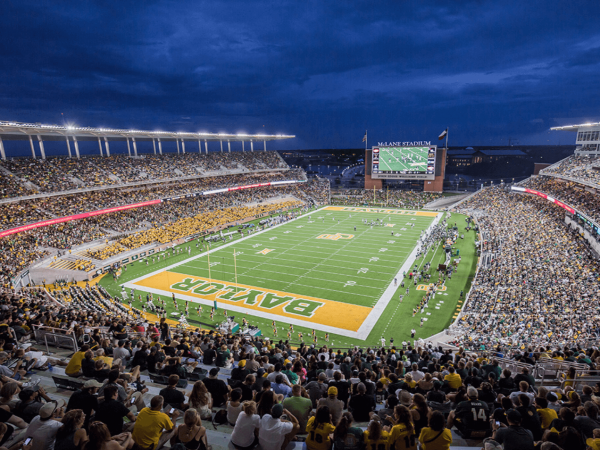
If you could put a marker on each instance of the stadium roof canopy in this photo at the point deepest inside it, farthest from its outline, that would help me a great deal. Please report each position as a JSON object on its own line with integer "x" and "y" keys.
{"x": 575, "y": 127}
{"x": 15, "y": 130}
{"x": 19, "y": 131}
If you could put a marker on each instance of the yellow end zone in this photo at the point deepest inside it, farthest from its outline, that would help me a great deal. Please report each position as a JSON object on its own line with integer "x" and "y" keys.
{"x": 300, "y": 307}
{"x": 402, "y": 212}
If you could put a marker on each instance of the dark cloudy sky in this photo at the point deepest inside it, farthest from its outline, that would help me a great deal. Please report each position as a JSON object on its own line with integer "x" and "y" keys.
{"x": 323, "y": 70}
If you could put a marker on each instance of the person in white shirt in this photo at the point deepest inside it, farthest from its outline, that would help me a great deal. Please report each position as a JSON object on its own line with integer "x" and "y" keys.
{"x": 43, "y": 428}
{"x": 417, "y": 375}
{"x": 243, "y": 435}
{"x": 275, "y": 433}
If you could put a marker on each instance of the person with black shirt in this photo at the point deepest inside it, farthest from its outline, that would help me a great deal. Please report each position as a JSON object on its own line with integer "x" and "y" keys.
{"x": 218, "y": 388}
{"x": 85, "y": 399}
{"x": 168, "y": 349}
{"x": 140, "y": 358}
{"x": 240, "y": 372}
{"x": 209, "y": 355}
{"x": 343, "y": 387}
{"x": 507, "y": 383}
{"x": 436, "y": 394}
{"x": 470, "y": 416}
{"x": 31, "y": 403}
{"x": 171, "y": 395}
{"x": 530, "y": 418}
{"x": 395, "y": 384}
{"x": 152, "y": 360}
{"x": 513, "y": 437}
{"x": 246, "y": 387}
{"x": 525, "y": 376}
{"x": 361, "y": 404}
{"x": 101, "y": 370}
{"x": 174, "y": 367}
{"x": 111, "y": 411}
{"x": 164, "y": 329}
{"x": 474, "y": 379}
{"x": 88, "y": 365}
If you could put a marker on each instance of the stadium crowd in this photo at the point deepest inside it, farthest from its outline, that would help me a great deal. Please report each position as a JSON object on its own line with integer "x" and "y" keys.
{"x": 189, "y": 225}
{"x": 584, "y": 168}
{"x": 542, "y": 284}
{"x": 62, "y": 174}
{"x": 569, "y": 192}
{"x": 270, "y": 393}
{"x": 392, "y": 198}
{"x": 28, "y": 211}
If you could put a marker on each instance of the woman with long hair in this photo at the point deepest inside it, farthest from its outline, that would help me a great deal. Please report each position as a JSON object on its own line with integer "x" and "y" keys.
{"x": 319, "y": 429}
{"x": 402, "y": 432}
{"x": 245, "y": 431}
{"x": 375, "y": 437}
{"x": 100, "y": 439}
{"x": 71, "y": 435}
{"x": 345, "y": 436}
{"x": 201, "y": 400}
{"x": 299, "y": 370}
{"x": 191, "y": 433}
{"x": 436, "y": 435}
{"x": 267, "y": 400}
{"x": 419, "y": 411}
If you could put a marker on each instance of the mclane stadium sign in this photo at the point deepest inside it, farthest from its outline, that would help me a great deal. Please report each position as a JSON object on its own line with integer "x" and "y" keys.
{"x": 404, "y": 144}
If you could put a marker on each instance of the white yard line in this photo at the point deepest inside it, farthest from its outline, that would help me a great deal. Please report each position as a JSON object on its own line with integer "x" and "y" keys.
{"x": 258, "y": 277}
{"x": 296, "y": 267}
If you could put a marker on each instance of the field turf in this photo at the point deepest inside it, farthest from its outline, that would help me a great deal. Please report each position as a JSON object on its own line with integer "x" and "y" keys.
{"x": 315, "y": 272}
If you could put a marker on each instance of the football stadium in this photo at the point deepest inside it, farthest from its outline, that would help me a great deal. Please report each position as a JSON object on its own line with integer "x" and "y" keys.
{"x": 198, "y": 252}
{"x": 253, "y": 279}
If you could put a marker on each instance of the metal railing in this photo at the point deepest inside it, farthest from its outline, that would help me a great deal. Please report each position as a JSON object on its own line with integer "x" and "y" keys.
{"x": 57, "y": 337}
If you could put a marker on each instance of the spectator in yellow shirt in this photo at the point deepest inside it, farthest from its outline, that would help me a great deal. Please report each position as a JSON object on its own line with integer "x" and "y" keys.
{"x": 546, "y": 414}
{"x": 375, "y": 438}
{"x": 150, "y": 423}
{"x": 73, "y": 369}
{"x": 594, "y": 442}
{"x": 436, "y": 436}
{"x": 453, "y": 379}
{"x": 319, "y": 429}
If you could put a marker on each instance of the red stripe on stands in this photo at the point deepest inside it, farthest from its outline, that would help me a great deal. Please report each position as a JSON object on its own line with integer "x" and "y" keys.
{"x": 85, "y": 215}
{"x": 553, "y": 200}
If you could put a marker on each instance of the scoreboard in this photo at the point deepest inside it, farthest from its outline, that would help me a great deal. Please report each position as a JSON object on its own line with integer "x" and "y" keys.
{"x": 410, "y": 163}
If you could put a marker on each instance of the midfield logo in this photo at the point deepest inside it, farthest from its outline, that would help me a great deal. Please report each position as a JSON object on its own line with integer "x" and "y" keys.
{"x": 424, "y": 287}
{"x": 335, "y": 237}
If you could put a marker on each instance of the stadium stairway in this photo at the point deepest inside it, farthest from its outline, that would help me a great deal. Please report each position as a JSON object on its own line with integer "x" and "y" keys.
{"x": 219, "y": 436}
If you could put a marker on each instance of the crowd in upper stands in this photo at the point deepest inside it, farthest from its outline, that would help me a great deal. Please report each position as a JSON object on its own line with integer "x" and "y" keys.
{"x": 383, "y": 197}
{"x": 542, "y": 283}
{"x": 270, "y": 393}
{"x": 61, "y": 174}
{"x": 28, "y": 211}
{"x": 20, "y": 250}
{"x": 190, "y": 224}
{"x": 569, "y": 192}
{"x": 584, "y": 168}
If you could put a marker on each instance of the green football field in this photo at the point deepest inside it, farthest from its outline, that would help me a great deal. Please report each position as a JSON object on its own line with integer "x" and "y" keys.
{"x": 326, "y": 271}
{"x": 392, "y": 158}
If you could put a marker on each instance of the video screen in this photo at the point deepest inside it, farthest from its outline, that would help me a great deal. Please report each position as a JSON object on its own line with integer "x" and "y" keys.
{"x": 404, "y": 160}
